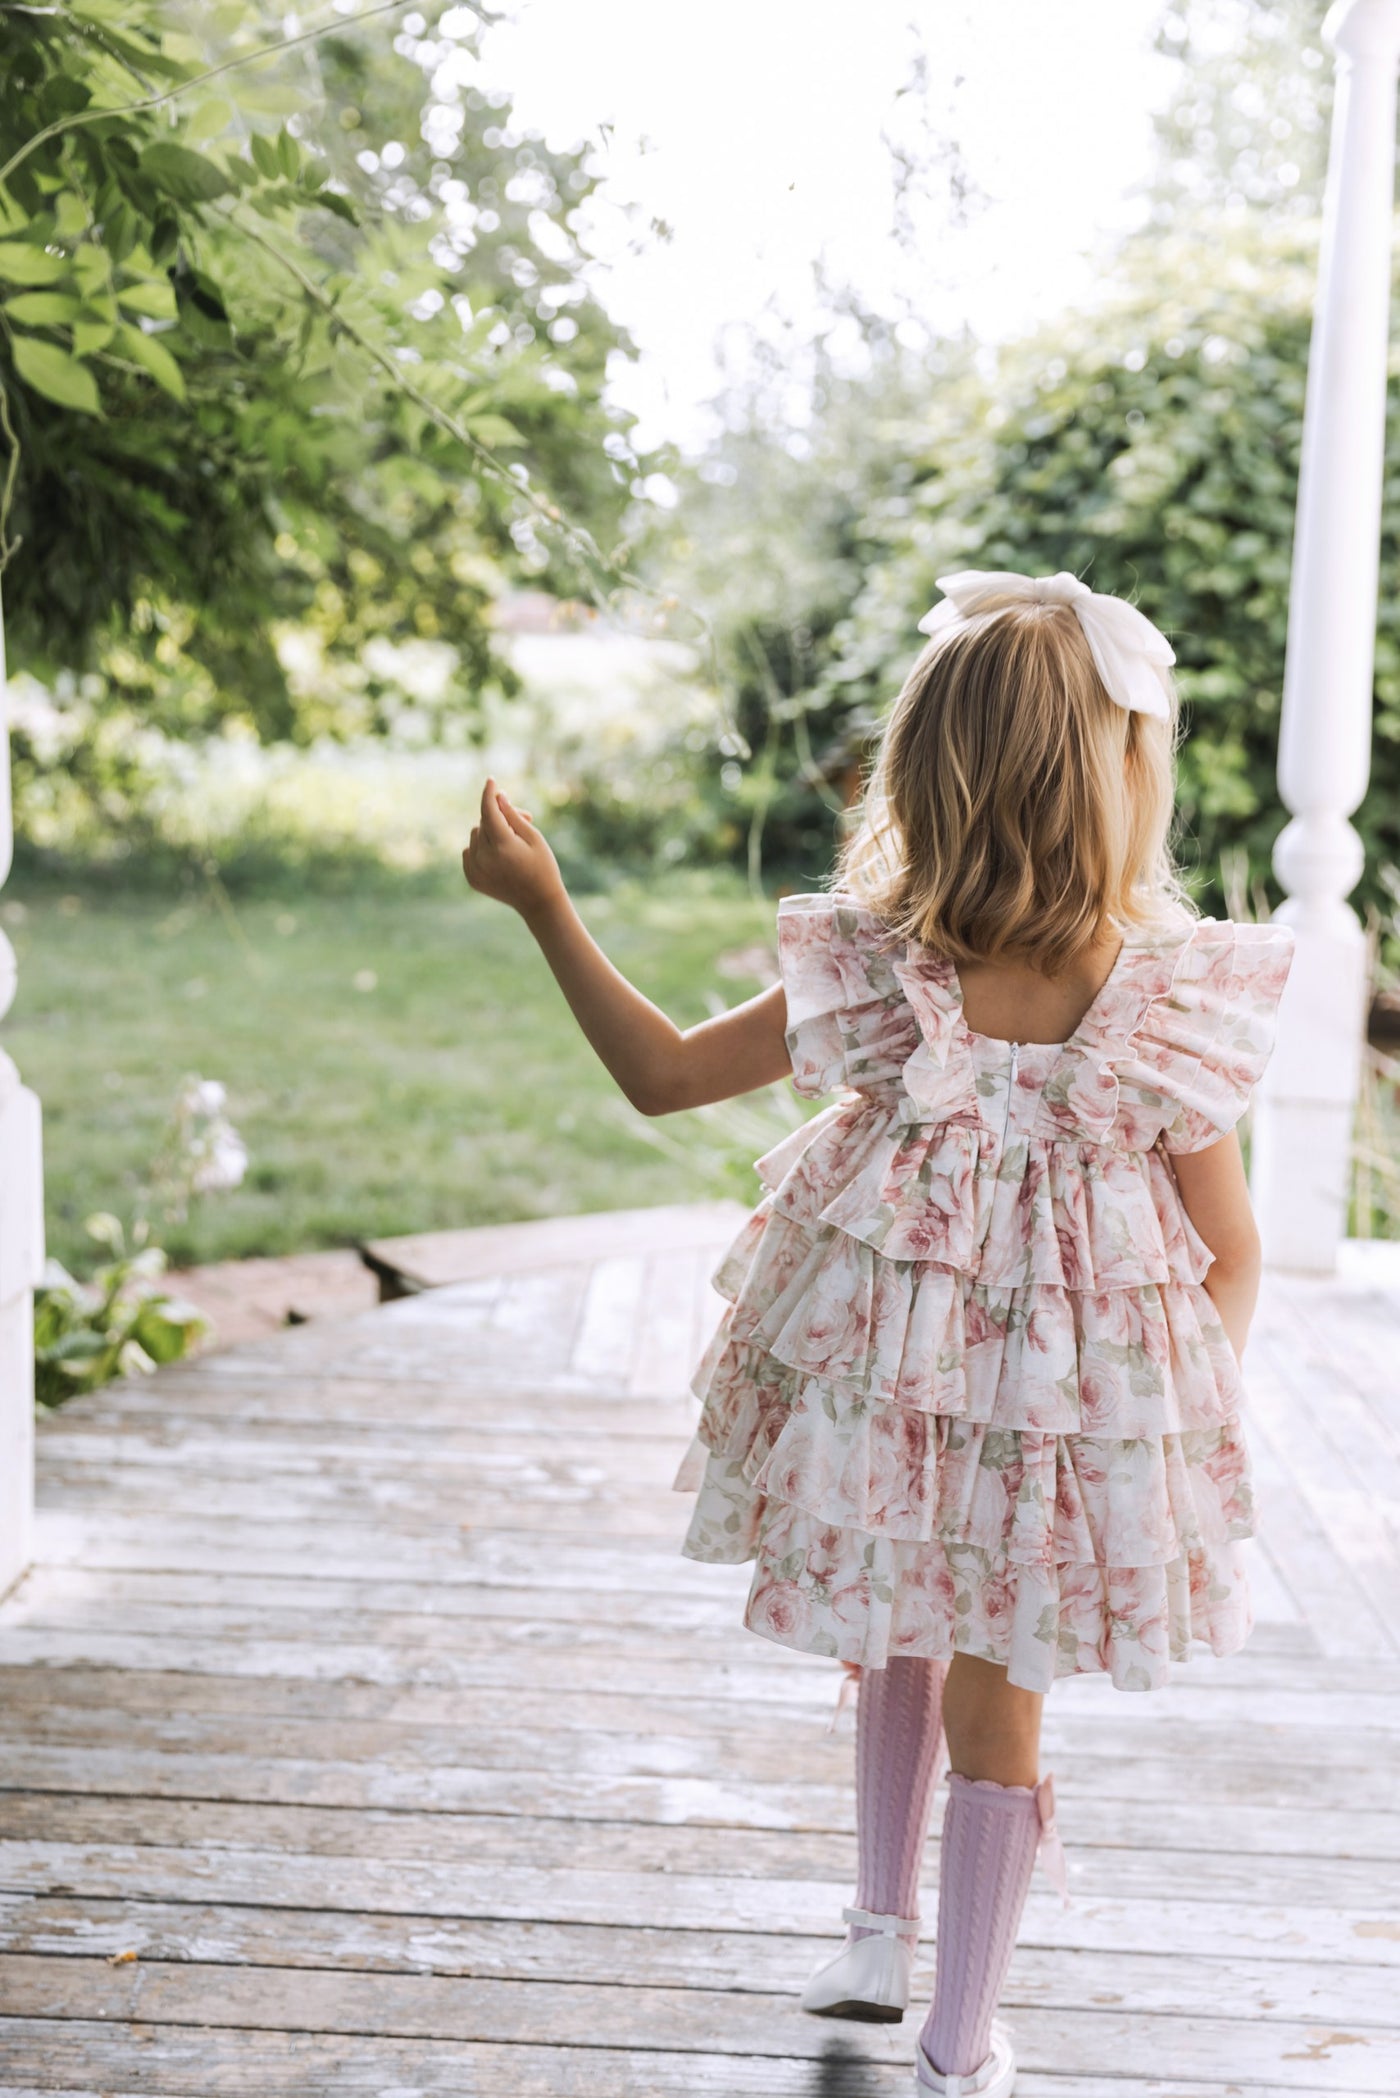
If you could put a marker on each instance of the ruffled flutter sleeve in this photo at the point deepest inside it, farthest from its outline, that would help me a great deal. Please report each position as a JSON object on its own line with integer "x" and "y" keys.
{"x": 847, "y": 1021}
{"x": 1210, "y": 1036}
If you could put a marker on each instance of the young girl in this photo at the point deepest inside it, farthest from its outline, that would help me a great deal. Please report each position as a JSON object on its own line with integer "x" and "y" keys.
{"x": 974, "y": 1408}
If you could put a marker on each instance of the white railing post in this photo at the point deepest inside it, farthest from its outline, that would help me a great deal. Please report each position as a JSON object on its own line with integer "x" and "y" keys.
{"x": 21, "y": 1242}
{"x": 1303, "y": 1124}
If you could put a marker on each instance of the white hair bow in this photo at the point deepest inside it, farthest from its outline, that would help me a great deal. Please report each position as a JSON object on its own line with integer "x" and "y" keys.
{"x": 1130, "y": 655}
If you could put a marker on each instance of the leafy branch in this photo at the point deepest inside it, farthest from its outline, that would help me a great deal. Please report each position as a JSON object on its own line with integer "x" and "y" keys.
{"x": 76, "y": 119}
{"x": 594, "y": 561}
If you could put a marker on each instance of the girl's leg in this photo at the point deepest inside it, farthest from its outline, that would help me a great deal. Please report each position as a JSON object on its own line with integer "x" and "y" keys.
{"x": 899, "y": 1756}
{"x": 993, "y": 1726}
{"x": 991, "y": 1831}
{"x": 899, "y": 1743}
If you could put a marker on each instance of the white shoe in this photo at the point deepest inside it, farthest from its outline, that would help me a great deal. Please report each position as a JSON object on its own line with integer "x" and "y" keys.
{"x": 869, "y": 1979}
{"x": 996, "y": 2078}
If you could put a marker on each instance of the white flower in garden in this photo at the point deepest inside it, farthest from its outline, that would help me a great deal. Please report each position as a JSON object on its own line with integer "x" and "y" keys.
{"x": 204, "y": 1153}
{"x": 223, "y": 1164}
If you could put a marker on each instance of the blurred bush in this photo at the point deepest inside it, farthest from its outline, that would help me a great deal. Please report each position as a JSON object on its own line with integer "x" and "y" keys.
{"x": 1150, "y": 445}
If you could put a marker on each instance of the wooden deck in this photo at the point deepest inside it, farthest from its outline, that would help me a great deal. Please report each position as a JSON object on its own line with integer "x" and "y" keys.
{"x": 363, "y": 1732}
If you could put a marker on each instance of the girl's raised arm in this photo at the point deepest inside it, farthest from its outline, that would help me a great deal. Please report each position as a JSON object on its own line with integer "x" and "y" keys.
{"x": 659, "y": 1067}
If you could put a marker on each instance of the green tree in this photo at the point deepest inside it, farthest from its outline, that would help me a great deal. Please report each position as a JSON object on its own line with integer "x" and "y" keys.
{"x": 1150, "y": 445}
{"x": 294, "y": 337}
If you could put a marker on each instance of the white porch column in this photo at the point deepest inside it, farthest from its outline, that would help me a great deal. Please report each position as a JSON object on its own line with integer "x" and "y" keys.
{"x": 21, "y": 1244}
{"x": 1303, "y": 1123}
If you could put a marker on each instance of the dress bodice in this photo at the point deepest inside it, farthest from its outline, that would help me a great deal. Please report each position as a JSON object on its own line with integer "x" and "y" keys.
{"x": 1170, "y": 1049}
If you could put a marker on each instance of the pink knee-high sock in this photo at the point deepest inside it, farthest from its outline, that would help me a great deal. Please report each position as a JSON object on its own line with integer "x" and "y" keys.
{"x": 990, "y": 1837}
{"x": 899, "y": 1757}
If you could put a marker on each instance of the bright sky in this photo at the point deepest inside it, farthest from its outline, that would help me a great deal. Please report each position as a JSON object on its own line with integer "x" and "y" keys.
{"x": 758, "y": 130}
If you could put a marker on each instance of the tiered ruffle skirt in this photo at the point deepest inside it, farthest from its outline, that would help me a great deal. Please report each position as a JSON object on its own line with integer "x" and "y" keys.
{"x": 1026, "y": 1448}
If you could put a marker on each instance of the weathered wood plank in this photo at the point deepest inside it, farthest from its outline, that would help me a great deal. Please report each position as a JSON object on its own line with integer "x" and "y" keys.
{"x": 605, "y": 1345}
{"x": 68, "y": 1775}
{"x": 408, "y": 1500}
{"x": 1357, "y": 1889}
{"x": 495, "y": 1622}
{"x": 1348, "y": 1503}
{"x": 808, "y": 1687}
{"x": 112, "y": 1542}
{"x": 1291, "y": 2054}
{"x": 111, "y": 1538}
{"x": 765, "y": 1963}
{"x": 592, "y": 1734}
{"x": 1126, "y": 1725}
{"x": 100, "y": 2060}
{"x": 296, "y": 1449}
{"x": 215, "y": 2063}
{"x": 1337, "y": 1607}
{"x": 423, "y": 1631}
{"x": 76, "y": 1592}
{"x": 347, "y": 1405}
{"x": 422, "y": 1339}
{"x": 665, "y": 1353}
{"x": 65, "y": 1593}
{"x": 257, "y": 1774}
{"x": 278, "y": 2065}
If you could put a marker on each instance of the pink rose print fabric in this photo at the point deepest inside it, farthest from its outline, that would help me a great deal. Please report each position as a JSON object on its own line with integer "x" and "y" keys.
{"x": 970, "y": 1394}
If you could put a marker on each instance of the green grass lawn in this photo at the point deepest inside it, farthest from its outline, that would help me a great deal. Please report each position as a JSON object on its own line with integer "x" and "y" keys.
{"x": 454, "y": 1091}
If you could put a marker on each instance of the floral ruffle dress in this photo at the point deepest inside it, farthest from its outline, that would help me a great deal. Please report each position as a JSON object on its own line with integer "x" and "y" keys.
{"x": 970, "y": 1394}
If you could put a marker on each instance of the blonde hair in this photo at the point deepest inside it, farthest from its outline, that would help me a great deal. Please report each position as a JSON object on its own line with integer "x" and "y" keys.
{"x": 1014, "y": 810}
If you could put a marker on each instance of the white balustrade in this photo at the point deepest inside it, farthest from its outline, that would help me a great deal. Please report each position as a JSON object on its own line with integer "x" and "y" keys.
{"x": 1303, "y": 1123}
{"x": 21, "y": 1242}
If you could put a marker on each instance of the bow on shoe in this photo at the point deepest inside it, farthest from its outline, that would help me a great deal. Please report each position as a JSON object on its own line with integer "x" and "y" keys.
{"x": 1133, "y": 659}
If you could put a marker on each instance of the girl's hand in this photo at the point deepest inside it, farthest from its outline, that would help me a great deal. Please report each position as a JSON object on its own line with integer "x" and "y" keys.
{"x": 658, "y": 1068}
{"x": 508, "y": 859}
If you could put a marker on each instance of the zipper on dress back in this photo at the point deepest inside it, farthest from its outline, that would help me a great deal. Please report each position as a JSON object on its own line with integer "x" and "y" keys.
{"x": 1013, "y": 1067}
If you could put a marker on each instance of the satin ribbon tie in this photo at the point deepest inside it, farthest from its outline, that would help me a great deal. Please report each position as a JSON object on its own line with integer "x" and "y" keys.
{"x": 1050, "y": 1851}
{"x": 1133, "y": 659}
{"x": 850, "y": 1684}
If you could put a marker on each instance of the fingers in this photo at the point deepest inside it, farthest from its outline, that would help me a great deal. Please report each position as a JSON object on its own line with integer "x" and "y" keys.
{"x": 494, "y": 822}
{"x": 516, "y": 818}
{"x": 500, "y": 817}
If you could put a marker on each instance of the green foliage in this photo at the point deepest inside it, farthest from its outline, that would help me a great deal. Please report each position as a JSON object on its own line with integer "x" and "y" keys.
{"x": 295, "y": 345}
{"x": 119, "y": 1323}
{"x": 1151, "y": 446}
{"x": 1153, "y": 449}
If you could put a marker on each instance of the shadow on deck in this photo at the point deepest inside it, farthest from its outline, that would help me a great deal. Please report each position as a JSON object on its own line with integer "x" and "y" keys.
{"x": 363, "y": 1731}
